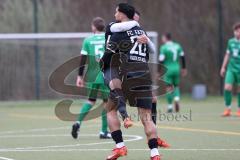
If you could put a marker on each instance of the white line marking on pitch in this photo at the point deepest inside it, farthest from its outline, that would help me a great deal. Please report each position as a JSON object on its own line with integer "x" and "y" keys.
{"x": 32, "y": 130}
{"x": 4, "y": 158}
{"x": 97, "y": 150}
{"x": 43, "y": 135}
{"x": 134, "y": 138}
{"x": 41, "y": 129}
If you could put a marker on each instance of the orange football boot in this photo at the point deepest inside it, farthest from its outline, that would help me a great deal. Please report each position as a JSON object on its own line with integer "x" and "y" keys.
{"x": 156, "y": 158}
{"x": 227, "y": 112}
{"x": 117, "y": 152}
{"x": 238, "y": 113}
{"x": 162, "y": 143}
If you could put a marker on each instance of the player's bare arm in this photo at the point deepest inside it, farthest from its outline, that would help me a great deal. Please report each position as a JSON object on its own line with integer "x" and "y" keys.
{"x": 224, "y": 65}
{"x": 184, "y": 69}
{"x": 80, "y": 81}
{"x": 123, "y": 26}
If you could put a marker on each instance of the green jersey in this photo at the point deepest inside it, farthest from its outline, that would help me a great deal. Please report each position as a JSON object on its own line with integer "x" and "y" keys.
{"x": 170, "y": 54}
{"x": 233, "y": 49}
{"x": 93, "y": 47}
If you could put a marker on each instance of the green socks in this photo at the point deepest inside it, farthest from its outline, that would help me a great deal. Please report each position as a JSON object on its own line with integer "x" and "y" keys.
{"x": 228, "y": 98}
{"x": 177, "y": 94}
{"x": 104, "y": 121}
{"x": 170, "y": 97}
{"x": 84, "y": 111}
{"x": 174, "y": 94}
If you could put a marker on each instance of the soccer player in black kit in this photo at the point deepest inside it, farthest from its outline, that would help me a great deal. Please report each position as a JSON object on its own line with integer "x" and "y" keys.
{"x": 107, "y": 60}
{"x": 125, "y": 54}
{"x": 114, "y": 27}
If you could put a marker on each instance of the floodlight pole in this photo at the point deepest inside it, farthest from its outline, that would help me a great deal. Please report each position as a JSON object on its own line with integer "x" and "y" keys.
{"x": 220, "y": 39}
{"x": 36, "y": 50}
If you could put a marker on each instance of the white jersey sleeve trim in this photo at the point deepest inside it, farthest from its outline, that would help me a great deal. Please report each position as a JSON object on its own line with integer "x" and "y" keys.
{"x": 83, "y": 52}
{"x": 182, "y": 54}
{"x": 228, "y": 51}
{"x": 161, "y": 57}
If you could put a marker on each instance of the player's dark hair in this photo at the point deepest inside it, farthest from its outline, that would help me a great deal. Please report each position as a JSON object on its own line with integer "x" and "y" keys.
{"x": 236, "y": 26}
{"x": 99, "y": 23}
{"x": 137, "y": 12}
{"x": 127, "y": 9}
{"x": 168, "y": 36}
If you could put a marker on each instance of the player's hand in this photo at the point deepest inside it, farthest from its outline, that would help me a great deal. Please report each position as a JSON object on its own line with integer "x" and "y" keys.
{"x": 184, "y": 72}
{"x": 222, "y": 72}
{"x": 143, "y": 39}
{"x": 79, "y": 82}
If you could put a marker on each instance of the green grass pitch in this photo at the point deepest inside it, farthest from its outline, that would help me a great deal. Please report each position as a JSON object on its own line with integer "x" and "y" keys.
{"x": 31, "y": 131}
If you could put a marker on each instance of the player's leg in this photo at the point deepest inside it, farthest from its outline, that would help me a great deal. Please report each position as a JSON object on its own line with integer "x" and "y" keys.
{"x": 83, "y": 112}
{"x": 92, "y": 93}
{"x": 238, "y": 97}
{"x": 112, "y": 79}
{"x": 238, "y": 94}
{"x": 161, "y": 142}
{"x": 119, "y": 99}
{"x": 176, "y": 92}
{"x": 145, "y": 113}
{"x": 229, "y": 80}
{"x": 170, "y": 94}
{"x": 150, "y": 131}
{"x": 104, "y": 120}
{"x": 154, "y": 110}
{"x": 116, "y": 133}
{"x": 177, "y": 98}
{"x": 104, "y": 134}
{"x": 116, "y": 100}
{"x": 91, "y": 101}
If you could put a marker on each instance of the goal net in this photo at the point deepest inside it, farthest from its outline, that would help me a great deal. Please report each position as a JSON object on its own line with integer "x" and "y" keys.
{"x": 27, "y": 61}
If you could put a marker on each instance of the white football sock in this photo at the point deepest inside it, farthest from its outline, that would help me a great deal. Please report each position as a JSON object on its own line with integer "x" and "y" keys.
{"x": 154, "y": 152}
{"x": 120, "y": 145}
{"x": 176, "y": 99}
{"x": 170, "y": 106}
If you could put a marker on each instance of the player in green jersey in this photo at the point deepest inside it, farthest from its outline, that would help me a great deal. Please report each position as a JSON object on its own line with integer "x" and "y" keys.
{"x": 231, "y": 70}
{"x": 92, "y": 51}
{"x": 170, "y": 54}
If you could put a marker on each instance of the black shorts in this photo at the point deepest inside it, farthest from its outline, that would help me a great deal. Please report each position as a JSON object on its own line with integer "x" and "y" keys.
{"x": 144, "y": 103}
{"x": 134, "y": 86}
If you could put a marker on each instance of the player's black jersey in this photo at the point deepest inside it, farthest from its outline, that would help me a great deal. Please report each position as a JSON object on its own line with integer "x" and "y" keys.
{"x": 126, "y": 42}
{"x": 108, "y": 32}
{"x": 106, "y": 59}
